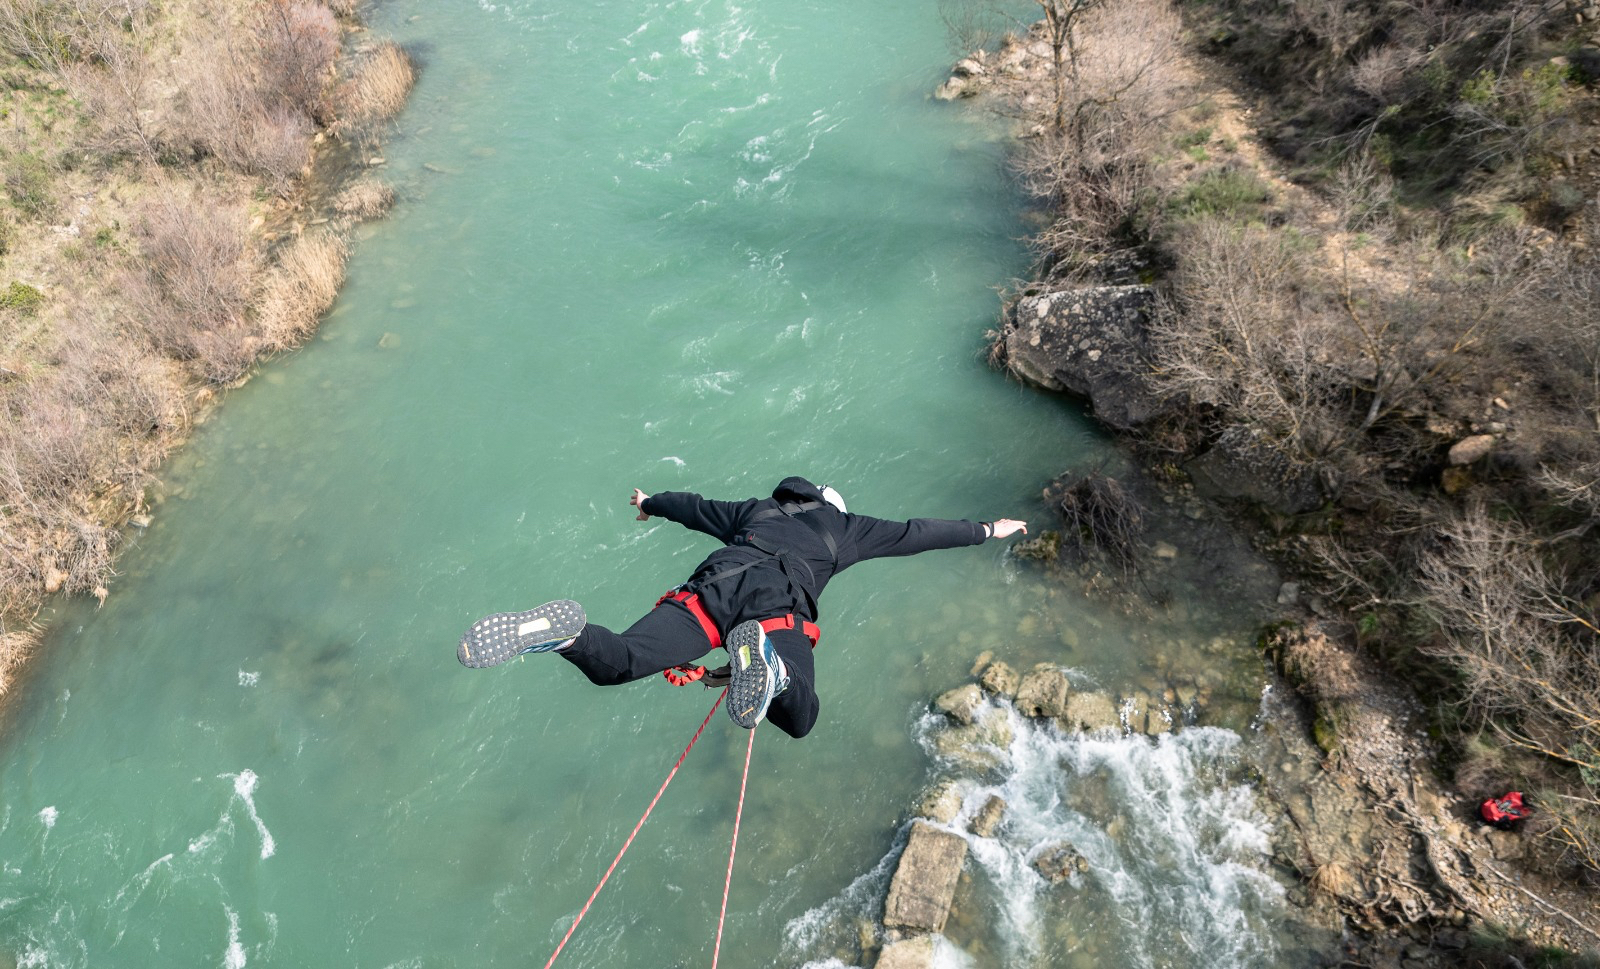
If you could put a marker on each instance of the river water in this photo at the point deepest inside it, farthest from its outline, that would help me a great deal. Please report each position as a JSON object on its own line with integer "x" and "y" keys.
{"x": 693, "y": 245}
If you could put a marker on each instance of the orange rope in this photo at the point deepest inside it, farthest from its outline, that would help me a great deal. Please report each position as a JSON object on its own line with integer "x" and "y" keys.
{"x": 573, "y": 927}
{"x": 732, "y": 848}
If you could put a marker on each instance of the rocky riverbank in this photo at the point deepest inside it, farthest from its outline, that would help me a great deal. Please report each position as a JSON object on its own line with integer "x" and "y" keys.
{"x": 1206, "y": 261}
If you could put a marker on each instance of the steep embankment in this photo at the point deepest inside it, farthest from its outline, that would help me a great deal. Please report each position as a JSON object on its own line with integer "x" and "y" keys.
{"x": 180, "y": 182}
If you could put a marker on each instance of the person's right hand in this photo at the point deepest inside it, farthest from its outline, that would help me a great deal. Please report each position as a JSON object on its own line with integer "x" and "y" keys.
{"x": 637, "y": 501}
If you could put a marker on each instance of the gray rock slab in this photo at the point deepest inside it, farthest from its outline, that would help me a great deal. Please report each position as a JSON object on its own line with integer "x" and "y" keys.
{"x": 924, "y": 883}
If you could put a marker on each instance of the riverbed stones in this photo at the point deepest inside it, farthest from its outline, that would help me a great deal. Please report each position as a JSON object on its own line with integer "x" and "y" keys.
{"x": 960, "y": 704}
{"x": 980, "y": 745}
{"x": 1043, "y": 692}
{"x": 1059, "y": 862}
{"x": 988, "y": 817}
{"x": 924, "y": 883}
{"x": 1089, "y": 342}
{"x": 1089, "y": 712}
{"x": 1000, "y": 679}
{"x": 913, "y": 953}
{"x": 941, "y": 803}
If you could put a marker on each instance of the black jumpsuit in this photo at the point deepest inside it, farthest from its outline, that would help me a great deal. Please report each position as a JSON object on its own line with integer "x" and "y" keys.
{"x": 776, "y": 560}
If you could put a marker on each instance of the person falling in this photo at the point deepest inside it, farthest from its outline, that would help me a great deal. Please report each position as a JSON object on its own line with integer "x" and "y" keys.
{"x": 756, "y": 596}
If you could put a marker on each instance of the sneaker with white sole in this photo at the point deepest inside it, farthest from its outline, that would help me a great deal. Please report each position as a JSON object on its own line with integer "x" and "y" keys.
{"x": 758, "y": 674}
{"x": 494, "y": 639}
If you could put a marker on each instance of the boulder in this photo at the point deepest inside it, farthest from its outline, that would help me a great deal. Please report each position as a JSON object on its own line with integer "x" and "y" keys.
{"x": 960, "y": 704}
{"x": 1043, "y": 693}
{"x": 988, "y": 817}
{"x": 1000, "y": 679}
{"x": 1058, "y": 862}
{"x": 1089, "y": 712}
{"x": 924, "y": 883}
{"x": 956, "y": 88}
{"x": 1470, "y": 449}
{"x": 1242, "y": 466}
{"x": 915, "y": 953}
{"x": 980, "y": 745}
{"x": 1091, "y": 343}
{"x": 942, "y": 803}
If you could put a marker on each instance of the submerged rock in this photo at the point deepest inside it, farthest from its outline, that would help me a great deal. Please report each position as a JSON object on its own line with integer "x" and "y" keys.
{"x": 942, "y": 803}
{"x": 924, "y": 883}
{"x": 914, "y": 953}
{"x": 988, "y": 817}
{"x": 1043, "y": 693}
{"x": 1242, "y": 466}
{"x": 960, "y": 704}
{"x": 1000, "y": 679}
{"x": 1058, "y": 862}
{"x": 1089, "y": 712}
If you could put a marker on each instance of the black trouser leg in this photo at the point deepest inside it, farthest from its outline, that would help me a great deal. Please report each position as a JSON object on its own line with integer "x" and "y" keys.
{"x": 666, "y": 636}
{"x": 794, "y": 711}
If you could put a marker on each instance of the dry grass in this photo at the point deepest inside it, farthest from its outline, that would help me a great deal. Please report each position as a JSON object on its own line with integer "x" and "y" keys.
{"x": 300, "y": 289}
{"x": 365, "y": 199}
{"x": 379, "y": 86}
{"x": 16, "y": 646}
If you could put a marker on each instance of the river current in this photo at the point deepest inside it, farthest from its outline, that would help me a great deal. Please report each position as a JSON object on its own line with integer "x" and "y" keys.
{"x": 688, "y": 245}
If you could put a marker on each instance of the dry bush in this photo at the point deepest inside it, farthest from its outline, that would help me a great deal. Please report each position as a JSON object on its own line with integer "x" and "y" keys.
{"x": 188, "y": 282}
{"x": 366, "y": 199}
{"x": 378, "y": 88}
{"x": 120, "y": 387}
{"x": 297, "y": 43}
{"x": 15, "y": 647}
{"x": 118, "y": 91}
{"x": 1100, "y": 516}
{"x": 1115, "y": 93}
{"x": 300, "y": 289}
{"x": 53, "y": 33}
{"x": 1528, "y": 655}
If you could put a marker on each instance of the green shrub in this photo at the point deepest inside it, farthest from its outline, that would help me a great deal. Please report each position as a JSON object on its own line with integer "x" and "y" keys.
{"x": 22, "y": 298}
{"x": 1234, "y": 194}
{"x": 28, "y": 182}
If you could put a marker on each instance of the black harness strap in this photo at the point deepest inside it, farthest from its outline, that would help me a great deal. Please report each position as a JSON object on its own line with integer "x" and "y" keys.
{"x": 795, "y": 510}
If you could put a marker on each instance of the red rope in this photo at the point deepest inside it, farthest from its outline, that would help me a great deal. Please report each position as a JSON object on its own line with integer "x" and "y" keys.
{"x": 731, "y": 849}
{"x": 573, "y": 927}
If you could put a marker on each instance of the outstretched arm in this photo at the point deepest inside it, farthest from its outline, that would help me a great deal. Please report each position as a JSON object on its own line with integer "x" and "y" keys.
{"x": 715, "y": 518}
{"x": 1002, "y": 527}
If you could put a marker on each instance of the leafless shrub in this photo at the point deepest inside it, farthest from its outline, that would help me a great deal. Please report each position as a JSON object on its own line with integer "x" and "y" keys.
{"x": 297, "y": 42}
{"x": 1363, "y": 196}
{"x": 378, "y": 88}
{"x": 1381, "y": 74}
{"x": 1528, "y": 656}
{"x": 119, "y": 387}
{"x": 1118, "y": 84}
{"x": 189, "y": 278}
{"x": 118, "y": 92}
{"x": 1101, "y": 516}
{"x": 365, "y": 199}
{"x": 300, "y": 289}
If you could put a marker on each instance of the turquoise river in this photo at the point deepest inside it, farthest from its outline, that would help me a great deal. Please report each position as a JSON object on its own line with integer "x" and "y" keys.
{"x": 673, "y": 244}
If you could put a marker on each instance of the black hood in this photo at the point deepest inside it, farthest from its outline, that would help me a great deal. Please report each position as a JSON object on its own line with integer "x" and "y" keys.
{"x": 797, "y": 489}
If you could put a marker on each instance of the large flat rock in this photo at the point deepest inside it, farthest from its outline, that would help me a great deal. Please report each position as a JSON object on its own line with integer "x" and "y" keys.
{"x": 924, "y": 884}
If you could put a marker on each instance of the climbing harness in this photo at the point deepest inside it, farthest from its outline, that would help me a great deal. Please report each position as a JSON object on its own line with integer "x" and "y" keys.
{"x": 727, "y": 882}
{"x": 684, "y": 674}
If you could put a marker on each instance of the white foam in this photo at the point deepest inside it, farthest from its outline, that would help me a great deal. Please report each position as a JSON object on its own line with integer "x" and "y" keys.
{"x": 48, "y": 816}
{"x": 248, "y": 678}
{"x": 233, "y": 957}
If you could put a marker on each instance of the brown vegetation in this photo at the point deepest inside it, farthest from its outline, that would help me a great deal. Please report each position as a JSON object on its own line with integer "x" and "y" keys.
{"x": 182, "y": 135}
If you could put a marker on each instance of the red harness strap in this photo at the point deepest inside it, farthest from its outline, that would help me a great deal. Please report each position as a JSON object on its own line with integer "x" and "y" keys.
{"x": 684, "y": 675}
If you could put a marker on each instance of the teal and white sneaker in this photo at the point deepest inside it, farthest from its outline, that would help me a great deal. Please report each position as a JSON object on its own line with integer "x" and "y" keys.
{"x": 494, "y": 639}
{"x": 758, "y": 674}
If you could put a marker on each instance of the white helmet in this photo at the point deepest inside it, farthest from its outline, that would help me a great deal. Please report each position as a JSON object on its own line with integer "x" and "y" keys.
{"x": 833, "y": 497}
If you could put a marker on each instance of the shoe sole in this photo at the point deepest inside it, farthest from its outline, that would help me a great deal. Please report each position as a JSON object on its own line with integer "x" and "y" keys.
{"x": 751, "y": 687}
{"x": 494, "y": 639}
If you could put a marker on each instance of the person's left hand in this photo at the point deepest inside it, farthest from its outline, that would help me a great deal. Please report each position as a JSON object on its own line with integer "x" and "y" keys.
{"x": 637, "y": 501}
{"x": 1002, "y": 527}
